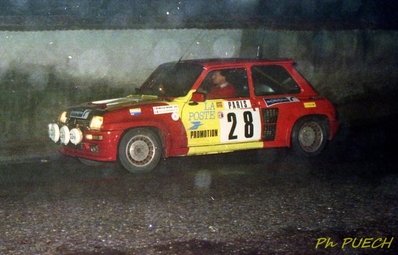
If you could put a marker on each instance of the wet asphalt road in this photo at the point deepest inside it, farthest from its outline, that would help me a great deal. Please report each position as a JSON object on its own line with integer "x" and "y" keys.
{"x": 256, "y": 202}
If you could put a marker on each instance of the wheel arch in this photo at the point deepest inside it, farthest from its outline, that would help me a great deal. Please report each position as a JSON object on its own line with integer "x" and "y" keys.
{"x": 320, "y": 117}
{"x": 156, "y": 129}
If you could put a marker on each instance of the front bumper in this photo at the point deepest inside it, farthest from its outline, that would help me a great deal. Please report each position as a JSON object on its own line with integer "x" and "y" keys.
{"x": 87, "y": 144}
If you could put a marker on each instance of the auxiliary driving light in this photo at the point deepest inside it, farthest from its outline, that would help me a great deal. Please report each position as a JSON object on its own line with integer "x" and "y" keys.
{"x": 53, "y": 132}
{"x": 64, "y": 135}
{"x": 76, "y": 136}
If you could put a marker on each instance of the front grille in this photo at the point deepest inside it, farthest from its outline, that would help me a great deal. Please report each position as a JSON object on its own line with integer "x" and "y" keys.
{"x": 270, "y": 121}
{"x": 82, "y": 123}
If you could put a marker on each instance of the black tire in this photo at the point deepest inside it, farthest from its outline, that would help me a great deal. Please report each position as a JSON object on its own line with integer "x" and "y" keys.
{"x": 309, "y": 136}
{"x": 140, "y": 150}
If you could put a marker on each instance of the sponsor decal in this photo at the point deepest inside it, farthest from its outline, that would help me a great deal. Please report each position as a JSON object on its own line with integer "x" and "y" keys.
{"x": 195, "y": 125}
{"x": 135, "y": 111}
{"x": 309, "y": 105}
{"x": 208, "y": 113}
{"x": 80, "y": 114}
{"x": 165, "y": 109}
{"x": 238, "y": 104}
{"x": 175, "y": 116}
{"x": 203, "y": 133}
{"x": 280, "y": 100}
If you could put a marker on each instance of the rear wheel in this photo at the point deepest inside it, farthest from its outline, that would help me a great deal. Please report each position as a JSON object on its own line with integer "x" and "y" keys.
{"x": 309, "y": 136}
{"x": 140, "y": 150}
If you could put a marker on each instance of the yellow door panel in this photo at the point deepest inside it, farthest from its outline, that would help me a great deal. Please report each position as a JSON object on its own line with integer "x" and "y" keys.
{"x": 201, "y": 122}
{"x": 221, "y": 122}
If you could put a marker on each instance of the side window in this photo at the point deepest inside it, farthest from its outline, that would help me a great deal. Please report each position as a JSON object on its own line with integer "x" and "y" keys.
{"x": 272, "y": 80}
{"x": 225, "y": 83}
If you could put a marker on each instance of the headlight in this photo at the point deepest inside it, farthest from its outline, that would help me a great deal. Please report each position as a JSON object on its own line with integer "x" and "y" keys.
{"x": 63, "y": 118}
{"x": 96, "y": 122}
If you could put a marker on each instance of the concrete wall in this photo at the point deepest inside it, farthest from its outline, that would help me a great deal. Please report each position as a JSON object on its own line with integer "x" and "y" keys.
{"x": 122, "y": 56}
{"x": 341, "y": 64}
{"x": 43, "y": 72}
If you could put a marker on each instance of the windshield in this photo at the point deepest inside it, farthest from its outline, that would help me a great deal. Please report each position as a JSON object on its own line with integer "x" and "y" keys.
{"x": 171, "y": 80}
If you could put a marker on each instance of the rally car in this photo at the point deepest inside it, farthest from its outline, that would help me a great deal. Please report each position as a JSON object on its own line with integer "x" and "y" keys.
{"x": 172, "y": 114}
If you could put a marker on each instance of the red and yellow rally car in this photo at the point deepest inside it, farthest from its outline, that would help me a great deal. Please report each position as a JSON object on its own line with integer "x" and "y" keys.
{"x": 181, "y": 110}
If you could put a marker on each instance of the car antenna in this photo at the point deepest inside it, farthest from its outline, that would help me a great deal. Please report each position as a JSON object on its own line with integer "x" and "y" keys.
{"x": 198, "y": 36}
{"x": 259, "y": 53}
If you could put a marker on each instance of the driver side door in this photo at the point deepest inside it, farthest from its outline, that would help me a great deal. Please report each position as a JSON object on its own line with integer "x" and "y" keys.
{"x": 222, "y": 120}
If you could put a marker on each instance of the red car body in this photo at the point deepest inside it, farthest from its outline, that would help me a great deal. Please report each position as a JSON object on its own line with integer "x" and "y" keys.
{"x": 170, "y": 115}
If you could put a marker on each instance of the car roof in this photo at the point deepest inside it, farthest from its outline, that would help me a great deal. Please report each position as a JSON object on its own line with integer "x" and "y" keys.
{"x": 213, "y": 62}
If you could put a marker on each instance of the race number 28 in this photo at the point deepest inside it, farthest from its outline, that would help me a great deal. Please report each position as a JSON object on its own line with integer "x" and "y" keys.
{"x": 241, "y": 126}
{"x": 248, "y": 125}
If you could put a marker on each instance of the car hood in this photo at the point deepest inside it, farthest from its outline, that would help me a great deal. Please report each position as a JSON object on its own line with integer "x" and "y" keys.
{"x": 117, "y": 103}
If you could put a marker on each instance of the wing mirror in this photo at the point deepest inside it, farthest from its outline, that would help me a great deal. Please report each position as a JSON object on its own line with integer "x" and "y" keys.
{"x": 197, "y": 97}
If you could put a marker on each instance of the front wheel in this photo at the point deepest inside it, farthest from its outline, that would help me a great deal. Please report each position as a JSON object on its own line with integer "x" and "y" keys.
{"x": 140, "y": 150}
{"x": 309, "y": 136}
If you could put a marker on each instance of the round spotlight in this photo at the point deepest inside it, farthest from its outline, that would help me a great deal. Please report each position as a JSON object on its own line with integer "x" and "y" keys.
{"x": 53, "y": 132}
{"x": 64, "y": 135}
{"x": 76, "y": 136}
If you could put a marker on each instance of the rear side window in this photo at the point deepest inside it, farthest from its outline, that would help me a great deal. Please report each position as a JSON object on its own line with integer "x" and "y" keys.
{"x": 273, "y": 80}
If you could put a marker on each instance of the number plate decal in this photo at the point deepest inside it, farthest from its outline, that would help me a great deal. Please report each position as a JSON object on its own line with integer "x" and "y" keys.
{"x": 239, "y": 122}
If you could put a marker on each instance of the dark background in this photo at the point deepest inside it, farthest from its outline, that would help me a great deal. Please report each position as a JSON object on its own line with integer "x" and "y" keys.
{"x": 120, "y": 14}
